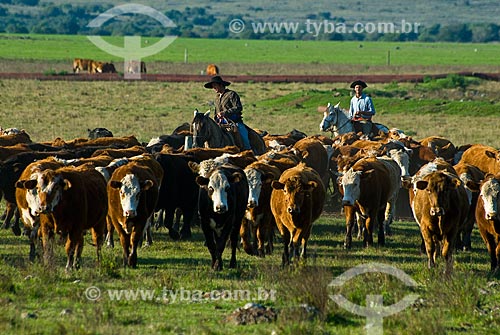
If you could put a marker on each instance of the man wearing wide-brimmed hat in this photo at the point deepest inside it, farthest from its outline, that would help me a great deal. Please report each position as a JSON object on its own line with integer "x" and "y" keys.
{"x": 361, "y": 109}
{"x": 228, "y": 106}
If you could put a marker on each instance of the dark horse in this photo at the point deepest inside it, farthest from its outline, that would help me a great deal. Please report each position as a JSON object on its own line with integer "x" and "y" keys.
{"x": 206, "y": 132}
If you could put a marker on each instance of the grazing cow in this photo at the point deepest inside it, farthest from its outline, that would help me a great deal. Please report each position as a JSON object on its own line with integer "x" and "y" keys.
{"x": 221, "y": 204}
{"x": 257, "y": 227}
{"x": 367, "y": 188}
{"x": 212, "y": 70}
{"x": 99, "y": 132}
{"x": 486, "y": 158}
{"x": 440, "y": 208}
{"x": 132, "y": 197}
{"x": 178, "y": 190}
{"x": 69, "y": 201}
{"x": 80, "y": 64}
{"x": 488, "y": 218}
{"x": 297, "y": 201}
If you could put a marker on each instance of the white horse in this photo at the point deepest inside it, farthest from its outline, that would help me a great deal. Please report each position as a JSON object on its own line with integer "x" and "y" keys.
{"x": 338, "y": 122}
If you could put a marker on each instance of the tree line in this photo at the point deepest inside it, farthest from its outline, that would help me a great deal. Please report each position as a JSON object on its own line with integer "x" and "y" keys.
{"x": 30, "y": 16}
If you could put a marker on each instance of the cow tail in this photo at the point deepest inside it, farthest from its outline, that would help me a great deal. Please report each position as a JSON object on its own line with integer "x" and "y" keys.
{"x": 440, "y": 225}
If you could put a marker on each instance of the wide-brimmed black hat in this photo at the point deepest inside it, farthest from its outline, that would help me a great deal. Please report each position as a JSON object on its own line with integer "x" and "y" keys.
{"x": 216, "y": 80}
{"x": 359, "y": 82}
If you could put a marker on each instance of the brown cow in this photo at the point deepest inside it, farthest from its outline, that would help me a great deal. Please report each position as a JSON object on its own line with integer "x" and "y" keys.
{"x": 314, "y": 154}
{"x": 80, "y": 64}
{"x": 440, "y": 208}
{"x": 296, "y": 202}
{"x": 13, "y": 139}
{"x": 367, "y": 189}
{"x": 486, "y": 158}
{"x": 283, "y": 160}
{"x": 117, "y": 142}
{"x": 119, "y": 153}
{"x": 488, "y": 218}
{"x": 132, "y": 196}
{"x": 212, "y": 70}
{"x": 441, "y": 146}
{"x": 257, "y": 227}
{"x": 69, "y": 201}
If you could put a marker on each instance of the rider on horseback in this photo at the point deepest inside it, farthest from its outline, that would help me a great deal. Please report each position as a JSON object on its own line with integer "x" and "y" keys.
{"x": 228, "y": 107}
{"x": 361, "y": 109}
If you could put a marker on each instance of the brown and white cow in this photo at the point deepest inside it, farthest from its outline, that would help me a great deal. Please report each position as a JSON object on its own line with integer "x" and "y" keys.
{"x": 297, "y": 201}
{"x": 212, "y": 70}
{"x": 488, "y": 217}
{"x": 367, "y": 189}
{"x": 69, "y": 201}
{"x": 80, "y": 64}
{"x": 440, "y": 207}
{"x": 257, "y": 227}
{"x": 221, "y": 204}
{"x": 132, "y": 196}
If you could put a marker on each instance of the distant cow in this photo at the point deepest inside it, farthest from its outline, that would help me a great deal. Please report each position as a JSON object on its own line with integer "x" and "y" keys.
{"x": 488, "y": 217}
{"x": 440, "y": 208}
{"x": 212, "y": 70}
{"x": 80, "y": 64}
{"x": 69, "y": 201}
{"x": 132, "y": 196}
{"x": 297, "y": 201}
{"x": 222, "y": 204}
{"x": 99, "y": 132}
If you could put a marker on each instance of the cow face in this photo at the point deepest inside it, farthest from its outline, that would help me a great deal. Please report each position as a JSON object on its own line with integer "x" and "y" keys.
{"x": 44, "y": 191}
{"x": 438, "y": 185}
{"x": 490, "y": 191}
{"x": 130, "y": 189}
{"x": 218, "y": 186}
{"x": 351, "y": 184}
{"x": 296, "y": 192}
{"x": 403, "y": 159}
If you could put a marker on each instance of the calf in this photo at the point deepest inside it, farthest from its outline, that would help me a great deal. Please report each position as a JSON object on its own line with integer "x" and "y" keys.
{"x": 297, "y": 201}
{"x": 440, "y": 208}
{"x": 69, "y": 201}
{"x": 221, "y": 204}
{"x": 132, "y": 197}
{"x": 488, "y": 218}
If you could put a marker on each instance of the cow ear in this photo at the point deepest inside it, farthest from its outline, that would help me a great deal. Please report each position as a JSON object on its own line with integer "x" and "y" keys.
{"x": 26, "y": 184}
{"x": 406, "y": 182}
{"x": 147, "y": 184}
{"x": 115, "y": 184}
{"x": 236, "y": 177}
{"x": 66, "y": 184}
{"x": 195, "y": 167}
{"x": 202, "y": 181}
{"x": 422, "y": 184}
{"x": 277, "y": 185}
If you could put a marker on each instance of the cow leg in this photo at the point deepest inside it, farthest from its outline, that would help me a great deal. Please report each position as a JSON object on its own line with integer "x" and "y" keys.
{"x": 109, "y": 235}
{"x": 98, "y": 238}
{"x": 147, "y": 232}
{"x": 261, "y": 237}
{"x": 389, "y": 215}
{"x": 47, "y": 244}
{"x": 72, "y": 247}
{"x": 169, "y": 222}
{"x": 447, "y": 252}
{"x": 349, "y": 221}
{"x": 246, "y": 236}
{"x": 381, "y": 232}
{"x": 234, "y": 243}
{"x": 186, "y": 225}
{"x": 430, "y": 247}
{"x": 368, "y": 234}
{"x": 286, "y": 250}
{"x": 210, "y": 241}
{"x": 33, "y": 237}
{"x": 492, "y": 247}
{"x": 360, "y": 226}
{"x": 15, "y": 227}
{"x": 497, "y": 258}
{"x": 78, "y": 251}
{"x": 125, "y": 242}
{"x": 160, "y": 221}
{"x": 9, "y": 213}
{"x": 135, "y": 238}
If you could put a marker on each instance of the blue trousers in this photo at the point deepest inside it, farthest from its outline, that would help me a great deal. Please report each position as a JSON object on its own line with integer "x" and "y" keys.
{"x": 244, "y": 135}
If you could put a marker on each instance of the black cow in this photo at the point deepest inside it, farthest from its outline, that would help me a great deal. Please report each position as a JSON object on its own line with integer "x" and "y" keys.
{"x": 221, "y": 205}
{"x": 177, "y": 190}
{"x": 99, "y": 132}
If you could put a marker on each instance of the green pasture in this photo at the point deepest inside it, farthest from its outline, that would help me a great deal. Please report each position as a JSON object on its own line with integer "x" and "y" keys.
{"x": 63, "y": 47}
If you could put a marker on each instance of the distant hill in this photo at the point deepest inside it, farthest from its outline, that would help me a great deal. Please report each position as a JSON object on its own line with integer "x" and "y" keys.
{"x": 393, "y": 20}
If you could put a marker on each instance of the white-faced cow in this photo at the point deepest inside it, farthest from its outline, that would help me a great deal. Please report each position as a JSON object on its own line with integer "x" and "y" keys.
{"x": 133, "y": 194}
{"x": 222, "y": 203}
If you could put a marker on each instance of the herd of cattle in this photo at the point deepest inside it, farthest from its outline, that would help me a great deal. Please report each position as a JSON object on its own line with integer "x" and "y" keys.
{"x": 92, "y": 66}
{"x": 104, "y": 183}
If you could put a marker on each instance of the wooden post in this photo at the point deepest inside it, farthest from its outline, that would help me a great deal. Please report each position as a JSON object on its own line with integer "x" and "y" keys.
{"x": 388, "y": 57}
{"x": 185, "y": 56}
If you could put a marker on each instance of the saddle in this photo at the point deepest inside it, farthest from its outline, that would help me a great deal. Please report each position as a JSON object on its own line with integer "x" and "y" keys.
{"x": 231, "y": 127}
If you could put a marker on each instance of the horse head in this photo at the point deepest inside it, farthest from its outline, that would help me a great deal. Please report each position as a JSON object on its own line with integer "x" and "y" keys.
{"x": 330, "y": 117}
{"x": 201, "y": 125}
